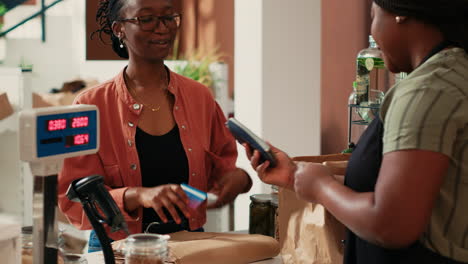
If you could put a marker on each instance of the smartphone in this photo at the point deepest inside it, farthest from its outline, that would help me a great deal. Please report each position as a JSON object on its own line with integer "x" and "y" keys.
{"x": 242, "y": 134}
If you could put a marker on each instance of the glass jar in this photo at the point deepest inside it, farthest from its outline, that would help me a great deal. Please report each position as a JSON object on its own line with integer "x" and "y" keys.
{"x": 145, "y": 249}
{"x": 27, "y": 240}
{"x": 74, "y": 259}
{"x": 260, "y": 214}
{"x": 274, "y": 217}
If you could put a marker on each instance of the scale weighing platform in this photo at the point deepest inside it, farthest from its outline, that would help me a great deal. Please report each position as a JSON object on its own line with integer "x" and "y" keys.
{"x": 47, "y": 136}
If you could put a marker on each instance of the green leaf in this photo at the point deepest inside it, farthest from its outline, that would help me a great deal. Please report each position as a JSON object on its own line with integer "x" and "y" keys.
{"x": 3, "y": 9}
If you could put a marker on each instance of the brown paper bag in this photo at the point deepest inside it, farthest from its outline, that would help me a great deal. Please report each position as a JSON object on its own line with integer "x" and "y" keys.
{"x": 227, "y": 248}
{"x": 308, "y": 233}
{"x": 214, "y": 248}
{"x": 5, "y": 107}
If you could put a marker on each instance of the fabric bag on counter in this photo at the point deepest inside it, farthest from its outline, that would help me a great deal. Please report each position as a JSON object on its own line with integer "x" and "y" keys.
{"x": 215, "y": 248}
{"x": 307, "y": 232}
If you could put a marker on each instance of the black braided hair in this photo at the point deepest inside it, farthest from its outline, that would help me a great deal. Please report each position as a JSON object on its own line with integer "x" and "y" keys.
{"x": 107, "y": 13}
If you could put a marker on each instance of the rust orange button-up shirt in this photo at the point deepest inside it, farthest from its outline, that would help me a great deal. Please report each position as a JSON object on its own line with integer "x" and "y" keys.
{"x": 210, "y": 148}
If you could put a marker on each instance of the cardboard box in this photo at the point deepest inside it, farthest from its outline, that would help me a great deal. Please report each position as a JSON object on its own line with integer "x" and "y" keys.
{"x": 5, "y": 107}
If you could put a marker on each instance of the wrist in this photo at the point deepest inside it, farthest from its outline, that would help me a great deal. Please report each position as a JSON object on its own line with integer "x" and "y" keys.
{"x": 322, "y": 187}
{"x": 248, "y": 183}
{"x": 132, "y": 199}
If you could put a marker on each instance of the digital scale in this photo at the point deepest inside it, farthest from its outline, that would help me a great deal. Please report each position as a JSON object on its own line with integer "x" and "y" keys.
{"x": 47, "y": 136}
{"x": 55, "y": 133}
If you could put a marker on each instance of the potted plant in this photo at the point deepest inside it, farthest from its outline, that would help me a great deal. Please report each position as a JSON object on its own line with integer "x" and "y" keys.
{"x": 208, "y": 69}
{"x": 3, "y": 10}
{"x": 196, "y": 66}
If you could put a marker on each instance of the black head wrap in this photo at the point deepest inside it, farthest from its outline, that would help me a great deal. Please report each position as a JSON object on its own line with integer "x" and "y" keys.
{"x": 450, "y": 16}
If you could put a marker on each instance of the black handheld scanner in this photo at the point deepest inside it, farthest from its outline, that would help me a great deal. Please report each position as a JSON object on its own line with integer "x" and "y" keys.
{"x": 90, "y": 191}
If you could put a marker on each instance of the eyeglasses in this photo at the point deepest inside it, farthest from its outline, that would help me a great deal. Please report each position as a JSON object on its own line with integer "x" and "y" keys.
{"x": 150, "y": 22}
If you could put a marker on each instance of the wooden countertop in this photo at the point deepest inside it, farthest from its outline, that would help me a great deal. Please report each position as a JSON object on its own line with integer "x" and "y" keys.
{"x": 97, "y": 258}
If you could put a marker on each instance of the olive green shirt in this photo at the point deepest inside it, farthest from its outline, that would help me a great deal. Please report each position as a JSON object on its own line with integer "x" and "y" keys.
{"x": 429, "y": 111}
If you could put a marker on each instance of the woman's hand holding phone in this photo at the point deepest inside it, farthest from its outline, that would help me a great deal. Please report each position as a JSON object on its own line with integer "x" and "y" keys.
{"x": 281, "y": 175}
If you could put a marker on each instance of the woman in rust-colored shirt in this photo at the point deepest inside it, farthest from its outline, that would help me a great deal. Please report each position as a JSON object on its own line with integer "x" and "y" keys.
{"x": 158, "y": 129}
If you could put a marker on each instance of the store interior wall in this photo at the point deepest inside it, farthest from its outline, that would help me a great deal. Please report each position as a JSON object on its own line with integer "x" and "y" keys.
{"x": 345, "y": 30}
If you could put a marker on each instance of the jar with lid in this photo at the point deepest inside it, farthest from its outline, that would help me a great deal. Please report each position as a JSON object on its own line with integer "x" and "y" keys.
{"x": 145, "y": 249}
{"x": 260, "y": 214}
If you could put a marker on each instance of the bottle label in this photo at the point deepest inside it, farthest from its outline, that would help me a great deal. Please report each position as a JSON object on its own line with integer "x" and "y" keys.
{"x": 361, "y": 84}
{"x": 371, "y": 63}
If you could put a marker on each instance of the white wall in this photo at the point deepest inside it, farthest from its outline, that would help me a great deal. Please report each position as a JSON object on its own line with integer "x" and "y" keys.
{"x": 277, "y": 81}
{"x": 63, "y": 56}
{"x": 52, "y": 61}
{"x": 291, "y": 79}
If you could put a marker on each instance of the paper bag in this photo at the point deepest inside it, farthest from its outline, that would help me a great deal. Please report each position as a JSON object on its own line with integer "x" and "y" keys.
{"x": 307, "y": 232}
{"x": 214, "y": 248}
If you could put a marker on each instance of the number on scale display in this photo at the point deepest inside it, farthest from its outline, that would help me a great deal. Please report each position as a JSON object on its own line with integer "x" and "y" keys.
{"x": 56, "y": 124}
{"x": 81, "y": 121}
{"x": 61, "y": 124}
{"x": 77, "y": 140}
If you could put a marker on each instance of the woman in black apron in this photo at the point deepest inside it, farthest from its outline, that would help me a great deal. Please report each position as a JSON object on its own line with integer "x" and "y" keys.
{"x": 440, "y": 25}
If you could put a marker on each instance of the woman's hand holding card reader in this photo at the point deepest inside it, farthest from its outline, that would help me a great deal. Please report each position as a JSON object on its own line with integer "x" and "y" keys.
{"x": 244, "y": 135}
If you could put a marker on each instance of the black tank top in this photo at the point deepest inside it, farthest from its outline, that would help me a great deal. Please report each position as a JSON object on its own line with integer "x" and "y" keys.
{"x": 162, "y": 161}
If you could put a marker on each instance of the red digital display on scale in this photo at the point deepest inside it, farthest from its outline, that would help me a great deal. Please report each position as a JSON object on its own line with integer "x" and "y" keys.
{"x": 81, "y": 139}
{"x": 56, "y": 124}
{"x": 81, "y": 121}
{"x": 77, "y": 140}
{"x": 68, "y": 123}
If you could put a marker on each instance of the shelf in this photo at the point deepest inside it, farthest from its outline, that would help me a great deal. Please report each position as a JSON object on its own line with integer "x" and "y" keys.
{"x": 360, "y": 115}
{"x": 360, "y": 122}
{"x": 375, "y": 106}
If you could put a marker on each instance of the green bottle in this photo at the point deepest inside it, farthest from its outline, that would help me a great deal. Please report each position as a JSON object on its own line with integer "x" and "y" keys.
{"x": 371, "y": 74}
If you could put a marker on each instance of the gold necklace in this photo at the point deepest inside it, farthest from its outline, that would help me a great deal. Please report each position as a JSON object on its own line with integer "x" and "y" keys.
{"x": 138, "y": 99}
{"x": 153, "y": 109}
